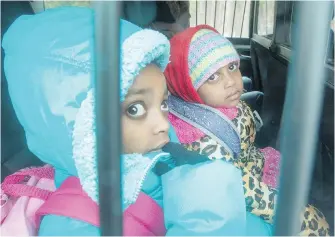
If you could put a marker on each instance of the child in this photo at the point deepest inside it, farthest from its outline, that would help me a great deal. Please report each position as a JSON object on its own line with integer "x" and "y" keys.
{"x": 203, "y": 84}
{"x": 50, "y": 83}
{"x": 205, "y": 109}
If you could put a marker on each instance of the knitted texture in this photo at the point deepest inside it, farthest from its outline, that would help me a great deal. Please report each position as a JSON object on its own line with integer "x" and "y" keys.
{"x": 271, "y": 171}
{"x": 209, "y": 51}
{"x": 196, "y": 53}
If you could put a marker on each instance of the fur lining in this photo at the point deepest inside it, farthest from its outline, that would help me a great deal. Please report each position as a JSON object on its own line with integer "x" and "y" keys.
{"x": 84, "y": 147}
{"x": 134, "y": 166}
{"x": 137, "y": 53}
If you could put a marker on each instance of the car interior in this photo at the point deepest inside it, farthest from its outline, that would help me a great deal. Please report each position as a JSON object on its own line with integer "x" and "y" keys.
{"x": 263, "y": 40}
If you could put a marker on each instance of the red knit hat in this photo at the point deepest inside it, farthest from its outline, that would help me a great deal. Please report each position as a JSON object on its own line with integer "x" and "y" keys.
{"x": 177, "y": 72}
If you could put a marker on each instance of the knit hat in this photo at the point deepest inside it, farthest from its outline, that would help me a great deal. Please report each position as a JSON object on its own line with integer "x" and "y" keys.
{"x": 208, "y": 52}
{"x": 196, "y": 54}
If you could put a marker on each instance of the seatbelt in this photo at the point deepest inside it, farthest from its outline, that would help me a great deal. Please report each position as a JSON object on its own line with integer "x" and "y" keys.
{"x": 258, "y": 121}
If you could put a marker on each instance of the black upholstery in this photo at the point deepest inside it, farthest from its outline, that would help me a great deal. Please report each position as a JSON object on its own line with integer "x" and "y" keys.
{"x": 270, "y": 75}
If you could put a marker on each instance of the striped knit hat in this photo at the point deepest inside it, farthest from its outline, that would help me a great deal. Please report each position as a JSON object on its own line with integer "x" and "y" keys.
{"x": 208, "y": 52}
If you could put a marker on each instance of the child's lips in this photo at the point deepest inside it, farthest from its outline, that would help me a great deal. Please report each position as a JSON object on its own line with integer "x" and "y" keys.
{"x": 160, "y": 146}
{"x": 234, "y": 95}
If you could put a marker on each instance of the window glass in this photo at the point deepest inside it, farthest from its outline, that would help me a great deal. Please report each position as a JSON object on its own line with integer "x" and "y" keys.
{"x": 52, "y": 4}
{"x": 285, "y": 21}
{"x": 265, "y": 18}
{"x": 230, "y": 18}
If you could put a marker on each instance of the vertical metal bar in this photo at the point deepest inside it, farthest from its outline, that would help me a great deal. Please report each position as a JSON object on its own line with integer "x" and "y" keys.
{"x": 266, "y": 18}
{"x": 253, "y": 18}
{"x": 215, "y": 12}
{"x": 285, "y": 11}
{"x": 224, "y": 17}
{"x": 2, "y": 5}
{"x": 277, "y": 20}
{"x": 205, "y": 12}
{"x": 109, "y": 145}
{"x": 301, "y": 114}
{"x": 290, "y": 34}
{"x": 196, "y": 12}
{"x": 232, "y": 27}
{"x": 245, "y": 4}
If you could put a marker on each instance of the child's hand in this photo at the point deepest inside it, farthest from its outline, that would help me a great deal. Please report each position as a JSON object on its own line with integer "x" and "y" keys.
{"x": 179, "y": 156}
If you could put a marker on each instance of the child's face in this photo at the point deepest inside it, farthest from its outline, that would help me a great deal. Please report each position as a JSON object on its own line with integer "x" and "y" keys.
{"x": 144, "y": 113}
{"x": 223, "y": 88}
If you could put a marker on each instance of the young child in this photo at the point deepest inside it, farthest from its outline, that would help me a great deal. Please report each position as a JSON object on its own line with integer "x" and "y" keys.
{"x": 208, "y": 82}
{"x": 51, "y": 85}
{"x": 208, "y": 116}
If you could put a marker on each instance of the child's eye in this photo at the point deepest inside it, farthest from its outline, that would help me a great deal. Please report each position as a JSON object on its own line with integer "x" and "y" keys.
{"x": 136, "y": 110}
{"x": 232, "y": 67}
{"x": 214, "y": 77}
{"x": 165, "y": 106}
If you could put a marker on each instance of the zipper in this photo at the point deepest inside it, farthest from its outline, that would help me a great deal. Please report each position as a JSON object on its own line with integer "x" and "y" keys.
{"x": 153, "y": 162}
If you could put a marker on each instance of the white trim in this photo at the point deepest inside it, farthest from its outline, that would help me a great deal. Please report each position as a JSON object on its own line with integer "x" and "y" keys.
{"x": 140, "y": 49}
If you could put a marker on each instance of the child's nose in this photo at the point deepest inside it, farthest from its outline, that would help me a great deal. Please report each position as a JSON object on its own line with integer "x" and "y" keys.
{"x": 230, "y": 81}
{"x": 161, "y": 123}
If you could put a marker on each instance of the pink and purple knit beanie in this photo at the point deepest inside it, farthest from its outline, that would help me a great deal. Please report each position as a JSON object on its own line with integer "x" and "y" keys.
{"x": 208, "y": 52}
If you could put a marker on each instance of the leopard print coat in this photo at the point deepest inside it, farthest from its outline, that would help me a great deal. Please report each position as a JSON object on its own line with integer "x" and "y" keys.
{"x": 260, "y": 198}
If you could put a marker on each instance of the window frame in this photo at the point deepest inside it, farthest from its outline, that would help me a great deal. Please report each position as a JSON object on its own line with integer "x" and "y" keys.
{"x": 280, "y": 22}
{"x": 284, "y": 52}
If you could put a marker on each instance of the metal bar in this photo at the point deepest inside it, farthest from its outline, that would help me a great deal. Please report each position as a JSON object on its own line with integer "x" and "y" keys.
{"x": 285, "y": 11}
{"x": 205, "y": 12}
{"x": 277, "y": 20}
{"x": 232, "y": 27}
{"x": 266, "y": 18}
{"x": 224, "y": 17}
{"x": 301, "y": 114}
{"x": 196, "y": 12}
{"x": 109, "y": 145}
{"x": 245, "y": 4}
{"x": 254, "y": 10}
{"x": 215, "y": 12}
{"x": 290, "y": 35}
